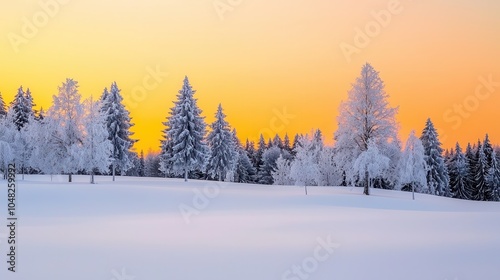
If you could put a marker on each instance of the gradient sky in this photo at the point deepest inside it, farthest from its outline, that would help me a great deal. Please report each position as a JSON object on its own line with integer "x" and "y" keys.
{"x": 262, "y": 59}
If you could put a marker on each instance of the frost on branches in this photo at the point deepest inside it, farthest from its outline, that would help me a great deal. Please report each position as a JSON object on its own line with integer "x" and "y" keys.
{"x": 364, "y": 118}
{"x": 184, "y": 147}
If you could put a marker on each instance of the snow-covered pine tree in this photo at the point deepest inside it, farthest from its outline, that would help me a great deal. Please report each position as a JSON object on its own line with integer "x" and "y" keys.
{"x": 269, "y": 157}
{"x": 118, "y": 124}
{"x": 96, "y": 146}
{"x": 140, "y": 168}
{"x": 365, "y": 117}
{"x": 261, "y": 147}
{"x": 244, "y": 169}
{"x": 222, "y": 147}
{"x": 493, "y": 177}
{"x": 413, "y": 172}
{"x": 19, "y": 107}
{"x": 437, "y": 173}
{"x": 7, "y": 136}
{"x": 471, "y": 162}
{"x": 286, "y": 144}
{"x": 66, "y": 116}
{"x": 488, "y": 150}
{"x": 481, "y": 190}
{"x": 152, "y": 164}
{"x": 295, "y": 144}
{"x": 41, "y": 115}
{"x": 30, "y": 104}
{"x": 277, "y": 141}
{"x": 318, "y": 138}
{"x": 460, "y": 185}
{"x": 281, "y": 176}
{"x": 3, "y": 108}
{"x": 186, "y": 131}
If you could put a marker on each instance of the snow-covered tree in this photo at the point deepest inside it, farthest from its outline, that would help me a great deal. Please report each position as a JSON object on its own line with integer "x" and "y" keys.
{"x": 96, "y": 147}
{"x": 437, "y": 173}
{"x": 493, "y": 177}
{"x": 365, "y": 117}
{"x": 222, "y": 147}
{"x": 3, "y": 108}
{"x": 370, "y": 165}
{"x": 286, "y": 144}
{"x": 327, "y": 171}
{"x": 8, "y": 131}
{"x": 186, "y": 131}
{"x": 245, "y": 171}
{"x": 67, "y": 136}
{"x": 152, "y": 164}
{"x": 118, "y": 124}
{"x": 261, "y": 147}
{"x": 488, "y": 151}
{"x": 140, "y": 168}
{"x": 481, "y": 190}
{"x": 413, "y": 171}
{"x": 21, "y": 109}
{"x": 281, "y": 176}
{"x": 269, "y": 158}
{"x": 30, "y": 104}
{"x": 460, "y": 185}
{"x": 304, "y": 169}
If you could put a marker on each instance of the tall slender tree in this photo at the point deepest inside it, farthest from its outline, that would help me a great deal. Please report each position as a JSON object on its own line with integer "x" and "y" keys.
{"x": 221, "y": 145}
{"x": 460, "y": 185}
{"x": 481, "y": 190}
{"x": 118, "y": 124}
{"x": 185, "y": 133}
{"x": 437, "y": 173}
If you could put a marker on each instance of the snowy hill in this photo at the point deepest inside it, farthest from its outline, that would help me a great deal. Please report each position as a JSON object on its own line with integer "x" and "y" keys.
{"x": 134, "y": 229}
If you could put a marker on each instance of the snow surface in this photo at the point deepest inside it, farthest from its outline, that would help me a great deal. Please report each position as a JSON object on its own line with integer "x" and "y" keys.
{"x": 133, "y": 229}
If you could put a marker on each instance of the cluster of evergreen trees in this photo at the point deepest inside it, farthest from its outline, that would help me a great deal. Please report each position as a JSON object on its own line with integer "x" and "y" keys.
{"x": 75, "y": 136}
{"x": 89, "y": 137}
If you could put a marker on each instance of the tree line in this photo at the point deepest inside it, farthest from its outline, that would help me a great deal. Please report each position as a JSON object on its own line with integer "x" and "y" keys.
{"x": 94, "y": 137}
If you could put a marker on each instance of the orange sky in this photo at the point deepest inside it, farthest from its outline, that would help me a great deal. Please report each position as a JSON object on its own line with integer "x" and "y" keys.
{"x": 259, "y": 58}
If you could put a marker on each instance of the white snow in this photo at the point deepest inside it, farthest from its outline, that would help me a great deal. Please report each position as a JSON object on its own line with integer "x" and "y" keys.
{"x": 133, "y": 229}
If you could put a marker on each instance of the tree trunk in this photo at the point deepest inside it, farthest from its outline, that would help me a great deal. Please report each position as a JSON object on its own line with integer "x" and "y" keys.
{"x": 92, "y": 178}
{"x": 367, "y": 184}
{"x": 70, "y": 179}
{"x": 185, "y": 175}
{"x": 113, "y": 171}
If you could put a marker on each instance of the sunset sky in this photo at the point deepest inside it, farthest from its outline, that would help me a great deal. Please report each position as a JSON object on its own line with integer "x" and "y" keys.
{"x": 275, "y": 65}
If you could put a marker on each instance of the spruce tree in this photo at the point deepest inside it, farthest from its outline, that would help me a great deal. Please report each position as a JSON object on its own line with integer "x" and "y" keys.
{"x": 437, "y": 174}
{"x": 221, "y": 145}
{"x": 3, "y": 109}
{"x": 118, "y": 124}
{"x": 481, "y": 190}
{"x": 20, "y": 108}
{"x": 493, "y": 177}
{"x": 286, "y": 143}
{"x": 186, "y": 131}
{"x": 460, "y": 185}
{"x": 488, "y": 151}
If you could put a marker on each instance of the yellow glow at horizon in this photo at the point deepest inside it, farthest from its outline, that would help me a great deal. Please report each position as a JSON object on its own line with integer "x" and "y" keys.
{"x": 263, "y": 57}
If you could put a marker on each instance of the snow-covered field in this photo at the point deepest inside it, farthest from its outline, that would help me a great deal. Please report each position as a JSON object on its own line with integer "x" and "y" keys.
{"x": 133, "y": 229}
